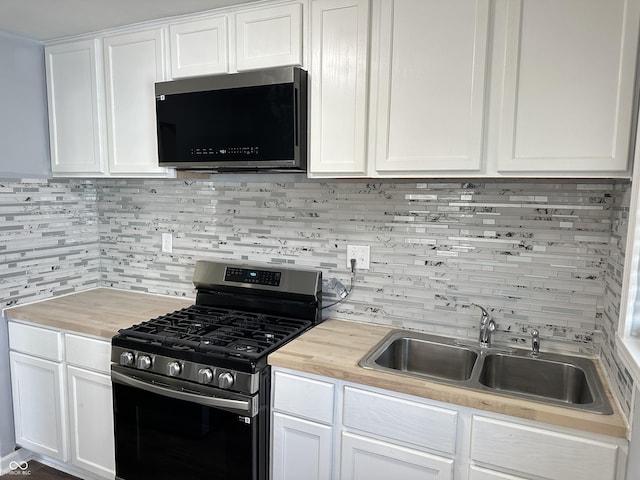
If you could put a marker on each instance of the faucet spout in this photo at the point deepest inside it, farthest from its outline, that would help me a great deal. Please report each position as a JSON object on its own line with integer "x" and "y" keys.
{"x": 487, "y": 326}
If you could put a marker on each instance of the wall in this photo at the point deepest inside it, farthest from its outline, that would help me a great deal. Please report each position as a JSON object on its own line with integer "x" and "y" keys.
{"x": 622, "y": 382}
{"x": 534, "y": 253}
{"x": 24, "y": 131}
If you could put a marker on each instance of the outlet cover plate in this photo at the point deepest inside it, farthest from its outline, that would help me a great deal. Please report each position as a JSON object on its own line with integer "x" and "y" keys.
{"x": 361, "y": 254}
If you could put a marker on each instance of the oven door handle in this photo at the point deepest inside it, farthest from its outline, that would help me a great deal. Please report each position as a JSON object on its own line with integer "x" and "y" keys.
{"x": 242, "y": 407}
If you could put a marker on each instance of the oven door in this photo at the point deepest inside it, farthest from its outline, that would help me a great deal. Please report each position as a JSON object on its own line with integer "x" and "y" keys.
{"x": 179, "y": 430}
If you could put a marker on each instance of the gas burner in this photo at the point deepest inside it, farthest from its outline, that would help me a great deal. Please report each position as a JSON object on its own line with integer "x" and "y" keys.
{"x": 244, "y": 347}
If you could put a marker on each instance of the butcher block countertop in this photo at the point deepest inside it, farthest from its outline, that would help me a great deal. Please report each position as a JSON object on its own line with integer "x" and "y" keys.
{"x": 100, "y": 312}
{"x": 334, "y": 348}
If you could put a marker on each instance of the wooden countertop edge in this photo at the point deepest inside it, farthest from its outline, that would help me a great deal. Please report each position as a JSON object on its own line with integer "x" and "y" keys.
{"x": 319, "y": 354}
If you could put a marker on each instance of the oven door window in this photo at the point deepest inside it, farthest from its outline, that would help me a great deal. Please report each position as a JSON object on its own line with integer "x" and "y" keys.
{"x": 160, "y": 438}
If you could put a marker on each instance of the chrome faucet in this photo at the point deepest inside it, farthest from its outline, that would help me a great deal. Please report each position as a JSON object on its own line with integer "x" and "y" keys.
{"x": 535, "y": 342}
{"x": 487, "y": 325}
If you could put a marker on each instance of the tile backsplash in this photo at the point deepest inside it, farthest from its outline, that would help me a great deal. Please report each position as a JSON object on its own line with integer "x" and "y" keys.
{"x": 537, "y": 254}
{"x": 48, "y": 239}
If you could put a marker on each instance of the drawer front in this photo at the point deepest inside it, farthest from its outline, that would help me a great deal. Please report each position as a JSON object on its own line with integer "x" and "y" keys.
{"x": 88, "y": 352}
{"x": 304, "y": 397}
{"x": 540, "y": 452}
{"x": 400, "y": 419}
{"x": 36, "y": 341}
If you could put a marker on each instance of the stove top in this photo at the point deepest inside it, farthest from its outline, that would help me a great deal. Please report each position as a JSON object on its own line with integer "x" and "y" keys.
{"x": 217, "y": 331}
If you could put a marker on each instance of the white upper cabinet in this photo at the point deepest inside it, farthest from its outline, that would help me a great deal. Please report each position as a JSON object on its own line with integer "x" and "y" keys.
{"x": 102, "y": 105}
{"x": 199, "y": 47}
{"x": 428, "y": 92}
{"x": 460, "y": 88}
{"x": 74, "y": 92}
{"x": 133, "y": 63}
{"x": 338, "y": 85}
{"x": 565, "y": 98}
{"x": 269, "y": 37}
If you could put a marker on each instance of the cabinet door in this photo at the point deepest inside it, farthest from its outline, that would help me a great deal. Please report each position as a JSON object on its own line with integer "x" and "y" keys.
{"x": 477, "y": 473}
{"x": 74, "y": 92}
{"x": 541, "y": 452}
{"x": 301, "y": 449}
{"x": 133, "y": 63}
{"x": 566, "y": 102}
{"x": 368, "y": 459}
{"x": 269, "y": 37}
{"x": 428, "y": 93}
{"x": 339, "y": 69}
{"x": 91, "y": 421}
{"x": 39, "y": 405}
{"x": 199, "y": 47}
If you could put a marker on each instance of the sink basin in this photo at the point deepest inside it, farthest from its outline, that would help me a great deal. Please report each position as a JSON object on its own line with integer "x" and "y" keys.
{"x": 557, "y": 380}
{"x": 549, "y": 378}
{"x": 422, "y": 355}
{"x": 425, "y": 357}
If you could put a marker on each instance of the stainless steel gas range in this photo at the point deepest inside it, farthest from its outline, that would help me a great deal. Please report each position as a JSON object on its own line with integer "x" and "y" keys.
{"x": 192, "y": 388}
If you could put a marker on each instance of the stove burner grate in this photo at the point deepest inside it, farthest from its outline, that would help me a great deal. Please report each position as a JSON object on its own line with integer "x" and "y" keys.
{"x": 214, "y": 330}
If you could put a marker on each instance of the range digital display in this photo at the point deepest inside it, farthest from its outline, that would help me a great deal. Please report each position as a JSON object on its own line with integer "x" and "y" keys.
{"x": 258, "y": 277}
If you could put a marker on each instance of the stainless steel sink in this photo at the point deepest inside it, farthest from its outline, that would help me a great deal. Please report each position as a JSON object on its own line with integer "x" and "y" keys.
{"x": 425, "y": 355}
{"x": 540, "y": 377}
{"x": 554, "y": 379}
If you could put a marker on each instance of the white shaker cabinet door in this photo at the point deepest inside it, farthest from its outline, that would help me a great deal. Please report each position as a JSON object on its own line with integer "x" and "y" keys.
{"x": 269, "y": 37}
{"x": 338, "y": 85}
{"x": 199, "y": 47}
{"x": 428, "y": 95}
{"x": 91, "y": 421}
{"x": 39, "y": 405}
{"x": 75, "y": 100}
{"x": 369, "y": 459}
{"x": 477, "y": 473}
{"x": 301, "y": 449}
{"x": 133, "y": 63}
{"x": 567, "y": 98}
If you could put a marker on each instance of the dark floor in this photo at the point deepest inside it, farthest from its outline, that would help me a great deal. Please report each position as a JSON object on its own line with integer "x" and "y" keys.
{"x": 36, "y": 471}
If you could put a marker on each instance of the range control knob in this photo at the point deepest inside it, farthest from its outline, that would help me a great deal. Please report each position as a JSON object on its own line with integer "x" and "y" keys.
{"x": 126, "y": 358}
{"x": 205, "y": 375}
{"x": 143, "y": 362}
{"x": 173, "y": 369}
{"x": 225, "y": 380}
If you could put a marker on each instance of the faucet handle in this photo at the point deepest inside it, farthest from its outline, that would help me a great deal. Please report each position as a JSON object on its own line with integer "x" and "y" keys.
{"x": 535, "y": 342}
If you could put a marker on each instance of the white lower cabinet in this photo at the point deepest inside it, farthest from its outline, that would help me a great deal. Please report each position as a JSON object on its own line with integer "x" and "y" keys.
{"x": 301, "y": 449}
{"x": 62, "y": 402}
{"x": 90, "y": 399}
{"x": 478, "y": 473}
{"x": 301, "y": 428}
{"x": 541, "y": 452}
{"x": 39, "y": 405}
{"x": 365, "y": 458}
{"x": 330, "y": 429}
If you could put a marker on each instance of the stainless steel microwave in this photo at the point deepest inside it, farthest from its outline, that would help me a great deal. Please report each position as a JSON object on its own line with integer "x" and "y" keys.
{"x": 251, "y": 121}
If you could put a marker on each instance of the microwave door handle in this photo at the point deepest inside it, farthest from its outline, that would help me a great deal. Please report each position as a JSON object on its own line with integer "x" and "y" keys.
{"x": 243, "y": 407}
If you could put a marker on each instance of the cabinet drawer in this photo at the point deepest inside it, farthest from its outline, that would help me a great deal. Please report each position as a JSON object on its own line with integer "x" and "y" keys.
{"x": 399, "y": 419}
{"x": 303, "y": 397}
{"x": 88, "y": 352}
{"x": 544, "y": 453}
{"x": 37, "y": 341}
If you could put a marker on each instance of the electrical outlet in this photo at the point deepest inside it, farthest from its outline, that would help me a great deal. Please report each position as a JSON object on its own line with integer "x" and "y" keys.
{"x": 361, "y": 254}
{"x": 167, "y": 243}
